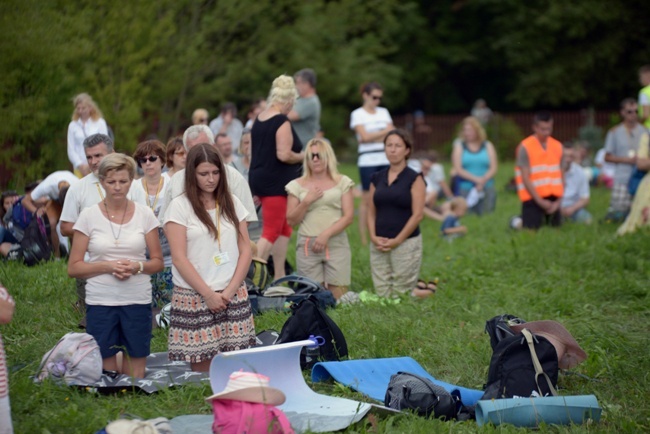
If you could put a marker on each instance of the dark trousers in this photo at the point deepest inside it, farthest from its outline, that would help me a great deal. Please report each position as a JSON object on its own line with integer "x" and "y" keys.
{"x": 533, "y": 217}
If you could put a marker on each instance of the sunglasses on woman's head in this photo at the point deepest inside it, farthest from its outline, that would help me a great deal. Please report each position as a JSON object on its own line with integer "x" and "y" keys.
{"x": 151, "y": 159}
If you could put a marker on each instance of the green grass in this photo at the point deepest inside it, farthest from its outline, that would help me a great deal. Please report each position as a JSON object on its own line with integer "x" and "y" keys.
{"x": 583, "y": 276}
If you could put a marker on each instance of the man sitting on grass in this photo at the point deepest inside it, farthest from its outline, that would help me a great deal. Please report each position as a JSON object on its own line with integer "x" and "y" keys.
{"x": 576, "y": 189}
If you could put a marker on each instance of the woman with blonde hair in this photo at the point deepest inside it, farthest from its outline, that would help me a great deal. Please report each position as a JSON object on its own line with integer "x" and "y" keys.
{"x": 321, "y": 202}
{"x": 116, "y": 233}
{"x": 276, "y": 154}
{"x": 87, "y": 120}
{"x": 474, "y": 160}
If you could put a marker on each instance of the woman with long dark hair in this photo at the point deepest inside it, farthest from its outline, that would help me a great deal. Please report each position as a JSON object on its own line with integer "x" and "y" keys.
{"x": 211, "y": 253}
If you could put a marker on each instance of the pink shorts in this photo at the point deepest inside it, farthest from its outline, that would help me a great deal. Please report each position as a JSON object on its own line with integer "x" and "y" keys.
{"x": 274, "y": 218}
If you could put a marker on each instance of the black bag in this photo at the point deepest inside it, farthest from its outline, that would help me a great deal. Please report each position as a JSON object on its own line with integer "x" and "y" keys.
{"x": 522, "y": 365}
{"x": 498, "y": 328}
{"x": 408, "y": 391}
{"x": 308, "y": 318}
{"x": 36, "y": 244}
{"x": 299, "y": 287}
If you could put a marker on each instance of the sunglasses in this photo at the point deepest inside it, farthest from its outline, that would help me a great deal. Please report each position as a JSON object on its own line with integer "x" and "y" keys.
{"x": 315, "y": 155}
{"x": 151, "y": 159}
{"x": 203, "y": 120}
{"x": 376, "y": 98}
{"x": 630, "y": 112}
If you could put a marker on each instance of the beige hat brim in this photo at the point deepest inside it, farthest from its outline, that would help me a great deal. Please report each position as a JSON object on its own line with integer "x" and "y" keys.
{"x": 573, "y": 354}
{"x": 261, "y": 395}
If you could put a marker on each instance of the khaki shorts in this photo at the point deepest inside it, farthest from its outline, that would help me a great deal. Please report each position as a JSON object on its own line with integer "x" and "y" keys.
{"x": 333, "y": 266}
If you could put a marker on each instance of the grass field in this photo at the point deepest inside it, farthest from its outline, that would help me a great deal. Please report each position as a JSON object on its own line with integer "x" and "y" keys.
{"x": 583, "y": 276}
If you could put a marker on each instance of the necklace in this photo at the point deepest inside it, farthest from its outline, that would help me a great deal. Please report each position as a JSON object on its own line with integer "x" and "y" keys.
{"x": 116, "y": 237}
{"x": 146, "y": 189}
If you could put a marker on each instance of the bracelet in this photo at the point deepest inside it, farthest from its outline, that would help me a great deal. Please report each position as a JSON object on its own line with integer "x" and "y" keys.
{"x": 141, "y": 267}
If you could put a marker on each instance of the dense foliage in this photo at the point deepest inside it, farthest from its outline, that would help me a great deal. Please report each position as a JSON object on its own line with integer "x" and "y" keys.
{"x": 149, "y": 64}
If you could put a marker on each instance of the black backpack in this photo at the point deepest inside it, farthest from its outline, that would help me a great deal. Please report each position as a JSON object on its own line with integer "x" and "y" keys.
{"x": 308, "y": 318}
{"x": 522, "y": 365}
{"x": 36, "y": 245}
{"x": 301, "y": 287}
{"x": 498, "y": 328}
{"x": 408, "y": 391}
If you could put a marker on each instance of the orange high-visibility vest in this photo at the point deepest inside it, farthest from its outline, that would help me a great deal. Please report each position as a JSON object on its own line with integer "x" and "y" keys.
{"x": 545, "y": 170}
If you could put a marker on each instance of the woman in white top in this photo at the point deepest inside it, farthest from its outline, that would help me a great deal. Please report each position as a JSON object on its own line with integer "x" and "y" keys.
{"x": 116, "y": 233}
{"x": 176, "y": 155}
{"x": 321, "y": 202}
{"x": 150, "y": 156}
{"x": 370, "y": 123}
{"x": 211, "y": 254}
{"x": 86, "y": 120}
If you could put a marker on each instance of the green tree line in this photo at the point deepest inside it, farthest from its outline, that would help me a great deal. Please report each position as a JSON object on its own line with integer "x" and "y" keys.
{"x": 148, "y": 64}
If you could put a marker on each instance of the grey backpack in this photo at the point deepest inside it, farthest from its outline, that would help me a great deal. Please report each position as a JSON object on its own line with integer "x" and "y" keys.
{"x": 75, "y": 359}
{"x": 408, "y": 391}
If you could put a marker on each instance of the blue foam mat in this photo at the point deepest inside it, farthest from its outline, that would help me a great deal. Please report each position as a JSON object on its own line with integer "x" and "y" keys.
{"x": 371, "y": 376}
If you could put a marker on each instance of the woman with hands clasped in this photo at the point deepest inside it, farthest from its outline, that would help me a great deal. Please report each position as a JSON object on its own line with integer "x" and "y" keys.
{"x": 394, "y": 214}
{"x": 321, "y": 202}
{"x": 211, "y": 254}
{"x": 475, "y": 162}
{"x": 115, "y": 233}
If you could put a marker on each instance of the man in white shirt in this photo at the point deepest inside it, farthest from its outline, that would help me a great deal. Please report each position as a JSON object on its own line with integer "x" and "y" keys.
{"x": 88, "y": 192}
{"x": 236, "y": 182}
{"x": 53, "y": 188}
{"x": 576, "y": 190}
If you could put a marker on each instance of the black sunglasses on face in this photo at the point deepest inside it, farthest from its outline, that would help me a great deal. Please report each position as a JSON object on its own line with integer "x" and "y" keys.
{"x": 144, "y": 160}
{"x": 315, "y": 155}
{"x": 376, "y": 98}
{"x": 629, "y": 112}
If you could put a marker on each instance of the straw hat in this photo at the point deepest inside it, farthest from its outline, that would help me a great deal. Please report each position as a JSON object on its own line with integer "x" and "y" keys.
{"x": 568, "y": 350}
{"x": 250, "y": 387}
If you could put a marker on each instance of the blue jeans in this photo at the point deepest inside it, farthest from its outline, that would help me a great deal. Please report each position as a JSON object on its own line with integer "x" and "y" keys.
{"x": 6, "y": 236}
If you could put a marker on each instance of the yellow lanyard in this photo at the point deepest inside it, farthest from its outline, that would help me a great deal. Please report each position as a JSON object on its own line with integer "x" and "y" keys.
{"x": 146, "y": 190}
{"x": 99, "y": 190}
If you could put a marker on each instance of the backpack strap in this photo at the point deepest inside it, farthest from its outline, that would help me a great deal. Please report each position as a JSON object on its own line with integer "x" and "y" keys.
{"x": 538, "y": 367}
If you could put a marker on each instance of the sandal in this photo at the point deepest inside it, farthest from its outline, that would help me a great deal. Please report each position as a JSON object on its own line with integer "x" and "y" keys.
{"x": 431, "y": 286}
{"x": 422, "y": 284}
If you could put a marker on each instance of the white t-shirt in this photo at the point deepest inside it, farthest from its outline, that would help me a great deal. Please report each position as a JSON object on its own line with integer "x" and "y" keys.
{"x": 88, "y": 192}
{"x": 77, "y": 133}
{"x": 435, "y": 176}
{"x": 106, "y": 289}
{"x": 371, "y": 154}
{"x": 157, "y": 203}
{"x": 49, "y": 187}
{"x": 202, "y": 249}
{"x": 237, "y": 185}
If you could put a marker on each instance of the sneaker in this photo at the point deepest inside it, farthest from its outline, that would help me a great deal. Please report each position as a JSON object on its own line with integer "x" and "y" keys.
{"x": 15, "y": 253}
{"x": 349, "y": 297}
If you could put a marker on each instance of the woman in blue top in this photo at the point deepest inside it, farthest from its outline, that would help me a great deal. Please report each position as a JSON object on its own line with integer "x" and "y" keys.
{"x": 475, "y": 163}
{"x": 394, "y": 213}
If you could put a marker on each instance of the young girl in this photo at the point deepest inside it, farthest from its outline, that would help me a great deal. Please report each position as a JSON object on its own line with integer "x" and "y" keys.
{"x": 211, "y": 253}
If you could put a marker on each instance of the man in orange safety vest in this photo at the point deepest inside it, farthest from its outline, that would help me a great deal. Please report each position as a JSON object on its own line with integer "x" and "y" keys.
{"x": 539, "y": 175}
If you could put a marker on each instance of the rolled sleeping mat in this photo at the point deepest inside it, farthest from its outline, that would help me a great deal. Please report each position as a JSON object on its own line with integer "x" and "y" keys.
{"x": 530, "y": 412}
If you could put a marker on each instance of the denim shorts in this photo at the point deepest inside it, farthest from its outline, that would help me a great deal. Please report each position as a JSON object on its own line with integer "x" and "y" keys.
{"x": 365, "y": 173}
{"x": 120, "y": 328}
